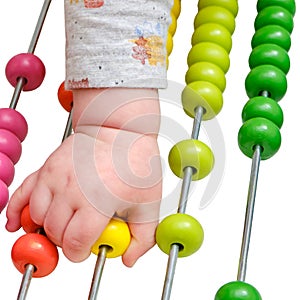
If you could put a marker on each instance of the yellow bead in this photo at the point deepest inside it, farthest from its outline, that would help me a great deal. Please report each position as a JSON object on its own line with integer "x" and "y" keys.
{"x": 169, "y": 44}
{"x": 173, "y": 25}
{"x": 117, "y": 236}
{"x": 176, "y": 9}
{"x": 204, "y": 94}
{"x": 214, "y": 33}
{"x": 209, "y": 52}
{"x": 205, "y": 71}
{"x": 215, "y": 14}
{"x": 231, "y": 5}
{"x": 191, "y": 153}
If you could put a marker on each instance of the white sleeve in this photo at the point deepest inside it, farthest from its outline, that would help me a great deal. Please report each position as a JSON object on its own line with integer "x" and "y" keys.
{"x": 113, "y": 43}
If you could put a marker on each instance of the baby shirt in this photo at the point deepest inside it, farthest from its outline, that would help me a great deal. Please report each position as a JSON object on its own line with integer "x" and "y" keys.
{"x": 113, "y": 43}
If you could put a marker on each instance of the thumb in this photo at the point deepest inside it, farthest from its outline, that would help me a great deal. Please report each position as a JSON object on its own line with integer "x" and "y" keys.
{"x": 143, "y": 239}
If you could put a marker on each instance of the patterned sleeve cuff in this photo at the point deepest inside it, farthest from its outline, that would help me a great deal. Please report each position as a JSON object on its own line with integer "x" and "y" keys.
{"x": 116, "y": 43}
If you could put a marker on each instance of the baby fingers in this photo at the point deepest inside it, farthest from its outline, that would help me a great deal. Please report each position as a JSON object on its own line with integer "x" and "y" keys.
{"x": 18, "y": 201}
{"x": 83, "y": 230}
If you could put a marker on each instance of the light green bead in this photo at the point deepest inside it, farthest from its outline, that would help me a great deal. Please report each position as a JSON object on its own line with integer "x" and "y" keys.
{"x": 209, "y": 52}
{"x": 231, "y": 5}
{"x": 213, "y": 33}
{"x": 204, "y": 94}
{"x": 205, "y": 71}
{"x": 182, "y": 230}
{"x": 215, "y": 14}
{"x": 194, "y": 154}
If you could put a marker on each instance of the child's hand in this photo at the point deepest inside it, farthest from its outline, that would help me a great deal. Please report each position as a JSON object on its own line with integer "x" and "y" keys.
{"x": 96, "y": 173}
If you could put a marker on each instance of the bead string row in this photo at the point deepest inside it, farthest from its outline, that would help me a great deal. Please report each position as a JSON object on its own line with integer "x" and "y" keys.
{"x": 259, "y": 137}
{"x": 25, "y": 72}
{"x": 180, "y": 234}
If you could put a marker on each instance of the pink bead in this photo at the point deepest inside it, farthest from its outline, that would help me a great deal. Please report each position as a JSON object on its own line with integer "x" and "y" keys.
{"x": 7, "y": 169}
{"x": 28, "y": 66}
{"x": 3, "y": 195}
{"x": 10, "y": 145}
{"x": 13, "y": 121}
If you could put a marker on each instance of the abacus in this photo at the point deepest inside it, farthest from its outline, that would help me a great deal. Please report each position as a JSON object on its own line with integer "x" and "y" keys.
{"x": 264, "y": 107}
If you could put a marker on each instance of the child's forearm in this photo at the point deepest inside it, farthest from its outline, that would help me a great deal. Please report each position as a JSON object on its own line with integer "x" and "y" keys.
{"x": 129, "y": 109}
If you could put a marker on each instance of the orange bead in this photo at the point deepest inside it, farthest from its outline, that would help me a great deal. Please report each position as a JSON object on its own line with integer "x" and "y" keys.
{"x": 65, "y": 97}
{"x": 37, "y": 250}
{"x": 26, "y": 221}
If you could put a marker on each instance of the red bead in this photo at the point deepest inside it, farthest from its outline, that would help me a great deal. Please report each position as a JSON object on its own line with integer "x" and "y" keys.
{"x": 3, "y": 195}
{"x": 10, "y": 145}
{"x": 26, "y": 222}
{"x": 37, "y": 250}
{"x": 7, "y": 169}
{"x": 13, "y": 121}
{"x": 28, "y": 66}
{"x": 65, "y": 97}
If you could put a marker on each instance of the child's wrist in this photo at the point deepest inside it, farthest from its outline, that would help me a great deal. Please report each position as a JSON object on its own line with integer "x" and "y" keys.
{"x": 135, "y": 110}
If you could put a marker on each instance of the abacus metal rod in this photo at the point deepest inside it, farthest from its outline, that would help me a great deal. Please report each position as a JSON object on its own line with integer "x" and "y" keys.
{"x": 186, "y": 183}
{"x": 68, "y": 129}
{"x": 17, "y": 92}
{"x": 249, "y": 214}
{"x": 199, "y": 111}
{"x": 188, "y": 171}
{"x": 98, "y": 271}
{"x": 27, "y": 276}
{"x": 170, "y": 272}
{"x": 39, "y": 26}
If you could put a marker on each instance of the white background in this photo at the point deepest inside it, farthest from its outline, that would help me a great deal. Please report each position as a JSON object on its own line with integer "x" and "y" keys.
{"x": 274, "y": 258}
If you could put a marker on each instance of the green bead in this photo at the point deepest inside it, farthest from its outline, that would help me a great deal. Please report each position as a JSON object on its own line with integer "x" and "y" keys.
{"x": 289, "y": 5}
{"x": 274, "y": 15}
{"x": 182, "y": 230}
{"x": 270, "y": 54}
{"x": 263, "y": 107}
{"x": 231, "y": 5}
{"x": 259, "y": 132}
{"x": 194, "y": 154}
{"x": 205, "y": 71}
{"x": 266, "y": 78}
{"x": 237, "y": 290}
{"x": 215, "y": 14}
{"x": 204, "y": 94}
{"x": 213, "y": 33}
{"x": 209, "y": 52}
{"x": 272, "y": 34}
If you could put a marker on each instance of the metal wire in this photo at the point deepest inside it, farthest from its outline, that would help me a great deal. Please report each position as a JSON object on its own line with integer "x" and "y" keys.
{"x": 24, "y": 287}
{"x": 186, "y": 183}
{"x": 249, "y": 214}
{"x": 98, "y": 271}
